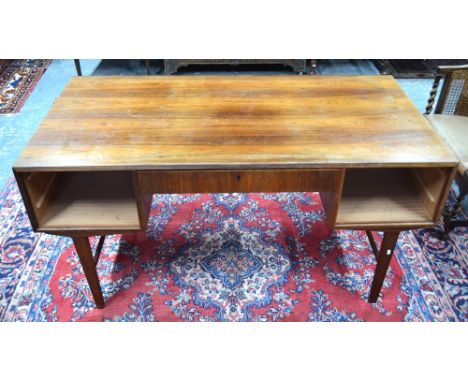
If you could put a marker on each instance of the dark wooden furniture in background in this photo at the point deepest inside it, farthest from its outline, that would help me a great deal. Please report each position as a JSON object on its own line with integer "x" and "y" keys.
{"x": 109, "y": 143}
{"x": 171, "y": 66}
{"x": 148, "y": 67}
{"x": 383, "y": 65}
{"x": 414, "y": 68}
{"x": 450, "y": 118}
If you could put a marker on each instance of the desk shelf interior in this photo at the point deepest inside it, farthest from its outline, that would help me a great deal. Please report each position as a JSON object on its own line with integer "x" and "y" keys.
{"x": 106, "y": 200}
{"x": 97, "y": 200}
{"x": 386, "y": 197}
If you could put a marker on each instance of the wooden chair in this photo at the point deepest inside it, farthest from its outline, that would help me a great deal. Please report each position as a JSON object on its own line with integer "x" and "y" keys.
{"x": 450, "y": 118}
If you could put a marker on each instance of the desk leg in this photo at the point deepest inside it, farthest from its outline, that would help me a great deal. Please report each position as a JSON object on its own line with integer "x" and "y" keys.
{"x": 85, "y": 254}
{"x": 383, "y": 261}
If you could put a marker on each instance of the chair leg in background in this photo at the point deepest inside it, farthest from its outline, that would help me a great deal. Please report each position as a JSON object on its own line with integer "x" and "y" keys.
{"x": 78, "y": 67}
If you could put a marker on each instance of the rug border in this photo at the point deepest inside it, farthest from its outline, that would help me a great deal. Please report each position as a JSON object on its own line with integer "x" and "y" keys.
{"x": 33, "y": 84}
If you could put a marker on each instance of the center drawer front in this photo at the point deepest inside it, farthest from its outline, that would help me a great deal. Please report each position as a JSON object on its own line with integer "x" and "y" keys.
{"x": 228, "y": 181}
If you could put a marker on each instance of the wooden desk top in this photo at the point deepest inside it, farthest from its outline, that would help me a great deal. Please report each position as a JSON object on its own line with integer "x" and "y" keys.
{"x": 165, "y": 122}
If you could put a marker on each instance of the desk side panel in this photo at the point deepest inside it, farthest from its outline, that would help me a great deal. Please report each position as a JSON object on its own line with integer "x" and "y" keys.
{"x": 36, "y": 189}
{"x": 331, "y": 200}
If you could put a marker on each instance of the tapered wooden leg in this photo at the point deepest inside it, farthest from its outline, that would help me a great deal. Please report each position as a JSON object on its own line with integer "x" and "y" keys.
{"x": 383, "y": 261}
{"x": 85, "y": 254}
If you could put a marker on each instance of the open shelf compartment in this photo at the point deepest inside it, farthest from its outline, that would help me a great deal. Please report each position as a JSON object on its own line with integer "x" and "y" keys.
{"x": 392, "y": 197}
{"x": 97, "y": 200}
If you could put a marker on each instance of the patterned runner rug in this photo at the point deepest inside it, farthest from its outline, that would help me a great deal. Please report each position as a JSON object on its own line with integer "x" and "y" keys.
{"x": 230, "y": 257}
{"x": 17, "y": 80}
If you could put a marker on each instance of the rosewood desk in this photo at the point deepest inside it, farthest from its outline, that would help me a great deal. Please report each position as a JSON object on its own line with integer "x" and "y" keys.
{"x": 109, "y": 143}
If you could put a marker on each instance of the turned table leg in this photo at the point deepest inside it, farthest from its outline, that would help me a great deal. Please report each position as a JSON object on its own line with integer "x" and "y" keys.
{"x": 383, "y": 261}
{"x": 88, "y": 263}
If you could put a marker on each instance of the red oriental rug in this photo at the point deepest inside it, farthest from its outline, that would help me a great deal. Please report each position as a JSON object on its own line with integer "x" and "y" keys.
{"x": 17, "y": 80}
{"x": 229, "y": 257}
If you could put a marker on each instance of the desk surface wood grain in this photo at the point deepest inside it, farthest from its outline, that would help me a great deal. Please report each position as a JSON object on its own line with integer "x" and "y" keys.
{"x": 227, "y": 122}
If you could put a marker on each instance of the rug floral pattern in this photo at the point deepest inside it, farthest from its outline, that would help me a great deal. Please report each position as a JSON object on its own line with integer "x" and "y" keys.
{"x": 230, "y": 257}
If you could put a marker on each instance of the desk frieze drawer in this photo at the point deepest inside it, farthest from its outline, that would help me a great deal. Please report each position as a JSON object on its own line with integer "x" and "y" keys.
{"x": 228, "y": 181}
